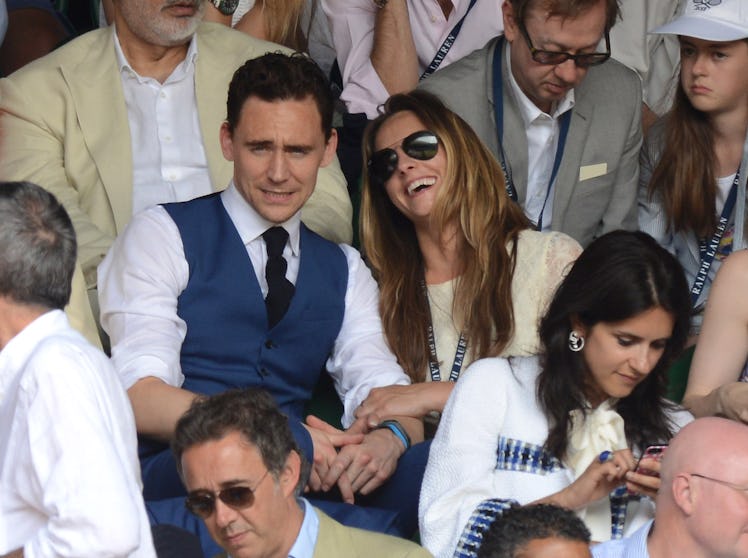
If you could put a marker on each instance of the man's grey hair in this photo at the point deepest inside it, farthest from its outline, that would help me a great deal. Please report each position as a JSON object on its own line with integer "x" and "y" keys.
{"x": 37, "y": 246}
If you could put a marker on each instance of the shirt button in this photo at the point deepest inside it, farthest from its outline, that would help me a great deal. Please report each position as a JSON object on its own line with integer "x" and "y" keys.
{"x": 162, "y": 95}
{"x": 263, "y": 371}
{"x": 269, "y": 344}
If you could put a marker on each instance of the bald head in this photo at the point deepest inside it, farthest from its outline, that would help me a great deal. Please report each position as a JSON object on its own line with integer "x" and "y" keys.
{"x": 712, "y": 446}
{"x": 702, "y": 504}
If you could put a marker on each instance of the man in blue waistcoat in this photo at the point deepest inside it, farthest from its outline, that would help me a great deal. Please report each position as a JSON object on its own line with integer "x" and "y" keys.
{"x": 232, "y": 290}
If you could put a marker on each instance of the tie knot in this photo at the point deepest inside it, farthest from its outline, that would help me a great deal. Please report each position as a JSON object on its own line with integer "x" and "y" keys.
{"x": 275, "y": 241}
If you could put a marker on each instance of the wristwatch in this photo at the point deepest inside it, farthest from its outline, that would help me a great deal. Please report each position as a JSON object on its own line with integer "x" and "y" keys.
{"x": 380, "y": 3}
{"x": 226, "y": 7}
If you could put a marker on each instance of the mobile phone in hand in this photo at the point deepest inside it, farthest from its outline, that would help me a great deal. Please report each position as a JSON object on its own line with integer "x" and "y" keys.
{"x": 652, "y": 452}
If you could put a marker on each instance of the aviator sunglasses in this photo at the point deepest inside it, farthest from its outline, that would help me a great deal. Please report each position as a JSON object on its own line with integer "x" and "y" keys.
{"x": 203, "y": 504}
{"x": 421, "y": 145}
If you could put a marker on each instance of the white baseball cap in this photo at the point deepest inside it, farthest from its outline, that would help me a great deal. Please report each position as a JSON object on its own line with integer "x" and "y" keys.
{"x": 710, "y": 20}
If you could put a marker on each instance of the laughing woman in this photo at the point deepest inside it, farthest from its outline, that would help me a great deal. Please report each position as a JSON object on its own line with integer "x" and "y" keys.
{"x": 563, "y": 428}
{"x": 462, "y": 275}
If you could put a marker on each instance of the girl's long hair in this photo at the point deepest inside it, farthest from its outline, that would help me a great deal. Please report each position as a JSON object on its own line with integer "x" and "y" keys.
{"x": 473, "y": 198}
{"x": 619, "y": 276}
{"x": 684, "y": 176}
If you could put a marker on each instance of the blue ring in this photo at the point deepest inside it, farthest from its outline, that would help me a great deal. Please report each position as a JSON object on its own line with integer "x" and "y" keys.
{"x": 605, "y": 456}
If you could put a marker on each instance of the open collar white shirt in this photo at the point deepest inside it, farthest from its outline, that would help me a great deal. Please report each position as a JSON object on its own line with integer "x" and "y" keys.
{"x": 145, "y": 271}
{"x": 168, "y": 157}
{"x": 69, "y": 471}
{"x": 542, "y": 130}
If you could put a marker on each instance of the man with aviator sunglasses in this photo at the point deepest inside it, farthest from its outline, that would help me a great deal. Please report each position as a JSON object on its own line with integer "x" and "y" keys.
{"x": 563, "y": 120}
{"x": 245, "y": 474}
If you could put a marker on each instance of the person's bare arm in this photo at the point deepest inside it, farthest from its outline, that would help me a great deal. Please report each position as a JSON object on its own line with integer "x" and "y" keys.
{"x": 157, "y": 406}
{"x": 213, "y": 14}
{"x": 393, "y": 54}
{"x": 415, "y": 400}
{"x": 18, "y": 553}
{"x": 722, "y": 347}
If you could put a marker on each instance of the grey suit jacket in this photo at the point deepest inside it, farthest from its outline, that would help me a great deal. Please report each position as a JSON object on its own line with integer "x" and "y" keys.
{"x": 596, "y": 185}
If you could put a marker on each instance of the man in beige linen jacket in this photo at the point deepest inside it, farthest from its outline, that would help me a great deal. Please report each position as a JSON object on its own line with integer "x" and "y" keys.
{"x": 64, "y": 125}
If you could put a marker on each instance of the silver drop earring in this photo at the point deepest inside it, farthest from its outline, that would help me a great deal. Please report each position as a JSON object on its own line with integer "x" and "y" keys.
{"x": 576, "y": 341}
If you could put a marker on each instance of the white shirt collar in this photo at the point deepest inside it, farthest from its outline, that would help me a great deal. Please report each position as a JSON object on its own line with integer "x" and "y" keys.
{"x": 529, "y": 110}
{"x": 251, "y": 224}
{"x": 307, "y": 537}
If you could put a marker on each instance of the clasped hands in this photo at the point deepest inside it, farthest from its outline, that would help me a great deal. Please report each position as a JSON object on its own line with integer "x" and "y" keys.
{"x": 357, "y": 460}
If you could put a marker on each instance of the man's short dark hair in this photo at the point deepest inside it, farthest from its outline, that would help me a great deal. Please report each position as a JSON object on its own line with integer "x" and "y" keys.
{"x": 567, "y": 9}
{"x": 280, "y": 77}
{"x": 519, "y": 525}
{"x": 254, "y": 414}
{"x": 37, "y": 246}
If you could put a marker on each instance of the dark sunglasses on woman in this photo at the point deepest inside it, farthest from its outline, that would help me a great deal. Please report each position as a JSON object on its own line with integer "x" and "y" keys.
{"x": 421, "y": 145}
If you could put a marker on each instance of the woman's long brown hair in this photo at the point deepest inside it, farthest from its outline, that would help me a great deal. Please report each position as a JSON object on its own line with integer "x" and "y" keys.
{"x": 472, "y": 197}
{"x": 684, "y": 176}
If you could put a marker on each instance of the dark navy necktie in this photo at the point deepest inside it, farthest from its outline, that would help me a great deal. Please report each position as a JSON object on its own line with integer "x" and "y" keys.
{"x": 280, "y": 289}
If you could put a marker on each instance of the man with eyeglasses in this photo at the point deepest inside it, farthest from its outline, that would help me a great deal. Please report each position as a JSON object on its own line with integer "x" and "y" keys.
{"x": 563, "y": 120}
{"x": 702, "y": 503}
{"x": 245, "y": 474}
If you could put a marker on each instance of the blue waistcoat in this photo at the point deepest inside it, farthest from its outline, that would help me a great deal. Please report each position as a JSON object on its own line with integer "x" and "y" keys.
{"x": 228, "y": 343}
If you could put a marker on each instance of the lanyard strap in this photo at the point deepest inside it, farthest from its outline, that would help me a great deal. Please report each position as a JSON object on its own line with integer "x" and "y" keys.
{"x": 434, "y": 370}
{"x": 498, "y": 102}
{"x": 709, "y": 250}
{"x": 446, "y": 45}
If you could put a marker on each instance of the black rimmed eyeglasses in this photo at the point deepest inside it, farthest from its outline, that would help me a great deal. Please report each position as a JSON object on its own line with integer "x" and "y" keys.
{"x": 555, "y": 57}
{"x": 203, "y": 504}
{"x": 421, "y": 145}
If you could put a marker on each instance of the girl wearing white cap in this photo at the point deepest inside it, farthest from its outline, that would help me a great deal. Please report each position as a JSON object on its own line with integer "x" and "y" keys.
{"x": 694, "y": 162}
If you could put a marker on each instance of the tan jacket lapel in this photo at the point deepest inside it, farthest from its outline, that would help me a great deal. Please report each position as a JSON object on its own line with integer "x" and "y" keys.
{"x": 96, "y": 89}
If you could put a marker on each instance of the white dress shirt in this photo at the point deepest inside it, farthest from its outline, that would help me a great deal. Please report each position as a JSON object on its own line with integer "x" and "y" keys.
{"x": 169, "y": 162}
{"x": 145, "y": 271}
{"x": 69, "y": 471}
{"x": 542, "y": 130}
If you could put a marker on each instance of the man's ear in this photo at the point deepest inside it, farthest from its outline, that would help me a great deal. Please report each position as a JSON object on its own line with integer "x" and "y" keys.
{"x": 683, "y": 493}
{"x": 510, "y": 22}
{"x": 289, "y": 477}
{"x": 330, "y": 149}
{"x": 227, "y": 142}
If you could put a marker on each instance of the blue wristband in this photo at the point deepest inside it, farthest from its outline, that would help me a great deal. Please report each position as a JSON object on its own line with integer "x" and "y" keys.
{"x": 397, "y": 429}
